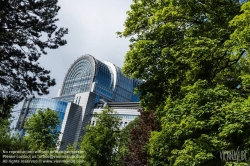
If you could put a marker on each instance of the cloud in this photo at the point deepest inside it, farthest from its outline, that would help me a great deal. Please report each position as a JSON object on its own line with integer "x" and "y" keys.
{"x": 92, "y": 30}
{"x": 92, "y": 25}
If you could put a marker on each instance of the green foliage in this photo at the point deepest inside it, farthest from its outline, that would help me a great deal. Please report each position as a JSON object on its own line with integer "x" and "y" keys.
{"x": 194, "y": 59}
{"x": 6, "y": 104}
{"x": 100, "y": 142}
{"x": 27, "y": 28}
{"x": 137, "y": 139}
{"x": 196, "y": 128}
{"x": 72, "y": 155}
{"x": 41, "y": 130}
{"x": 8, "y": 141}
{"x": 176, "y": 43}
{"x": 124, "y": 140}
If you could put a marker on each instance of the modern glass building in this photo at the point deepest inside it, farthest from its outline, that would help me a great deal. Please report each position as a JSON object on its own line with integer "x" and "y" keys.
{"x": 87, "y": 83}
{"x": 102, "y": 78}
{"x": 32, "y": 105}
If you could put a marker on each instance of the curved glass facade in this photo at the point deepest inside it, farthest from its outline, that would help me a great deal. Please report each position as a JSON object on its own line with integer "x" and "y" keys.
{"x": 79, "y": 78}
{"x": 33, "y": 105}
{"x": 103, "y": 78}
{"x": 87, "y": 83}
{"x": 103, "y": 81}
{"x": 125, "y": 86}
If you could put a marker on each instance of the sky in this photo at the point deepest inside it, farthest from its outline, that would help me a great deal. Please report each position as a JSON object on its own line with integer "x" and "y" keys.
{"x": 92, "y": 28}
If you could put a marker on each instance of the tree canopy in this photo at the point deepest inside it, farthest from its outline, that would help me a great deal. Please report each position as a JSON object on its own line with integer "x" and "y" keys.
{"x": 27, "y": 29}
{"x": 100, "y": 142}
{"x": 8, "y": 141}
{"x": 176, "y": 43}
{"x": 137, "y": 135}
{"x": 198, "y": 127}
{"x": 194, "y": 59}
{"x": 41, "y": 129}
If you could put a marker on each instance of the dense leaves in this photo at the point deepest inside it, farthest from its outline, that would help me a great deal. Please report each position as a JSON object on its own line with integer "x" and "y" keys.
{"x": 24, "y": 25}
{"x": 100, "y": 142}
{"x": 198, "y": 127}
{"x": 193, "y": 56}
{"x": 138, "y": 134}
{"x": 124, "y": 140}
{"x": 176, "y": 43}
{"x": 8, "y": 141}
{"x": 42, "y": 131}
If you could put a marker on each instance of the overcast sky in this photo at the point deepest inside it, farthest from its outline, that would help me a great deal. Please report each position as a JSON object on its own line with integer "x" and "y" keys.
{"x": 92, "y": 28}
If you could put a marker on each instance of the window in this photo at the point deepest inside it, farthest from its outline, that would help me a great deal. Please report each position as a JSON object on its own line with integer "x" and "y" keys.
{"x": 121, "y": 123}
{"x": 79, "y": 100}
{"x": 78, "y": 76}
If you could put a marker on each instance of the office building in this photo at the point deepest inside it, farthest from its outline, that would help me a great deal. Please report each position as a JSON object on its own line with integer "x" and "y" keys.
{"x": 88, "y": 86}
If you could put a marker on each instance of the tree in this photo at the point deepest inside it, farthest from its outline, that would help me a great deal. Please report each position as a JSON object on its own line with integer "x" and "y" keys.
{"x": 8, "y": 141}
{"x": 41, "y": 130}
{"x": 23, "y": 27}
{"x": 194, "y": 58}
{"x": 124, "y": 140}
{"x": 138, "y": 138}
{"x": 99, "y": 144}
{"x": 176, "y": 43}
{"x": 198, "y": 127}
{"x": 6, "y": 105}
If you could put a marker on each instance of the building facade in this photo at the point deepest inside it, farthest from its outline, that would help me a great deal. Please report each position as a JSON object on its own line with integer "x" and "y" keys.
{"x": 106, "y": 80}
{"x": 126, "y": 111}
{"x": 88, "y": 84}
{"x": 32, "y": 105}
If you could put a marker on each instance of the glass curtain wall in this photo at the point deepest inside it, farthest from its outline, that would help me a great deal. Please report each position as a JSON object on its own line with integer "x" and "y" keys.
{"x": 78, "y": 79}
{"x": 43, "y": 103}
